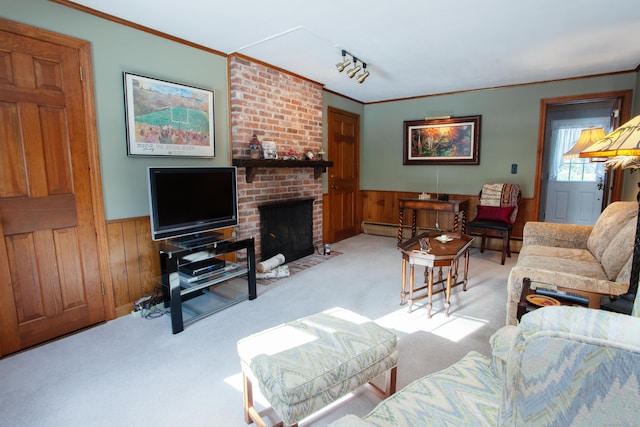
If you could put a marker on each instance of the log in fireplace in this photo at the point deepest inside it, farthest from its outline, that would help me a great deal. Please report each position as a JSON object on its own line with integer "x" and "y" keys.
{"x": 286, "y": 227}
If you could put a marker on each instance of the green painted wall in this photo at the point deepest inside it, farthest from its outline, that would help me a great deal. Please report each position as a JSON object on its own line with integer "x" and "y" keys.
{"x": 115, "y": 49}
{"x": 509, "y": 134}
{"x": 509, "y": 116}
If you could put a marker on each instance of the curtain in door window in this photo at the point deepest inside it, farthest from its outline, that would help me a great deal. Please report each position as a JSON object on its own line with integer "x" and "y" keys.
{"x": 564, "y": 135}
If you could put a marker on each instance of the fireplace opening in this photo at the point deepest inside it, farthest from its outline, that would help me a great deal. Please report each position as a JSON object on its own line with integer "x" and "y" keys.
{"x": 287, "y": 228}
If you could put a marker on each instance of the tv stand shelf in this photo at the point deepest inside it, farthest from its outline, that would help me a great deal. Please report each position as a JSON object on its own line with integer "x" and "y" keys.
{"x": 252, "y": 165}
{"x": 192, "y": 301}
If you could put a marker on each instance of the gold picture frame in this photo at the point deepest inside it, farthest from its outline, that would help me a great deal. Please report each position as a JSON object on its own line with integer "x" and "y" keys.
{"x": 446, "y": 141}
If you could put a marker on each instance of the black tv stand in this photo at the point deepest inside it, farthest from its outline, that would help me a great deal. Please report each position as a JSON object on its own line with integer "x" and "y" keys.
{"x": 211, "y": 294}
{"x": 197, "y": 239}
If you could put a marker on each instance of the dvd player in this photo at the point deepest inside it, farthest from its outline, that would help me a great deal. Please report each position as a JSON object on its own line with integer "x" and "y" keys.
{"x": 189, "y": 280}
{"x": 201, "y": 267}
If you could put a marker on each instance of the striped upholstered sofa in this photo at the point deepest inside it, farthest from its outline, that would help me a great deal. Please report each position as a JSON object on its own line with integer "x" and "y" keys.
{"x": 561, "y": 366}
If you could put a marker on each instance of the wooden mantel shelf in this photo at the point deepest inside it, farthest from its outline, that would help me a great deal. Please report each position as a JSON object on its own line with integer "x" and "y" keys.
{"x": 252, "y": 165}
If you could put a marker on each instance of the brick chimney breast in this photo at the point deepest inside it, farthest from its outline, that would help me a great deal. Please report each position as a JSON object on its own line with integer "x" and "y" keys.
{"x": 283, "y": 108}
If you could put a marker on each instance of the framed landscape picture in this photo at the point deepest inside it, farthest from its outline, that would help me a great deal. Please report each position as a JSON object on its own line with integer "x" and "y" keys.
{"x": 168, "y": 119}
{"x": 446, "y": 141}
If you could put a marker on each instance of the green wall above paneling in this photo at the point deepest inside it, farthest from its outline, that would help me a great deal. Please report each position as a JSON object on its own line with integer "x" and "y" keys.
{"x": 509, "y": 134}
{"x": 509, "y": 129}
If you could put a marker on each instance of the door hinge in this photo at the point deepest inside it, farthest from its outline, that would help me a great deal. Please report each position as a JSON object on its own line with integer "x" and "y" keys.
{"x": 102, "y": 286}
{"x": 81, "y": 76}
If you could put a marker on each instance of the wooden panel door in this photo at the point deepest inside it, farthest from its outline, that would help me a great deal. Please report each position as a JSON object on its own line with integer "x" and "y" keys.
{"x": 50, "y": 281}
{"x": 344, "y": 183}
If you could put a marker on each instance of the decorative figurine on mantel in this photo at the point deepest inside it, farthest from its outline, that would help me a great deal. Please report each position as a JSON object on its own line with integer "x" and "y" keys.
{"x": 291, "y": 155}
{"x": 320, "y": 153}
{"x": 255, "y": 149}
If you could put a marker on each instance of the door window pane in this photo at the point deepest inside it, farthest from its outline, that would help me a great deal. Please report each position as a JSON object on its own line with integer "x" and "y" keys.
{"x": 577, "y": 170}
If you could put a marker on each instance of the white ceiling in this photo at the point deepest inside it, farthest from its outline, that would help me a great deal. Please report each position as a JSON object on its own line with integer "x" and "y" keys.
{"x": 411, "y": 47}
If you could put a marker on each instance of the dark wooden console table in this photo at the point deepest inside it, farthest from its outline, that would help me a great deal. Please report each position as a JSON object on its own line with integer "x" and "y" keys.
{"x": 456, "y": 206}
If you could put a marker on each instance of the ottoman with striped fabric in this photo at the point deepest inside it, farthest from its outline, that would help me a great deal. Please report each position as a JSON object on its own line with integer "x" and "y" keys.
{"x": 304, "y": 365}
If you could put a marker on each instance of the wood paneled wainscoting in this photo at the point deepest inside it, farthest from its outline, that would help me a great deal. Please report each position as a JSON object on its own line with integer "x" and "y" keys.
{"x": 135, "y": 265}
{"x": 380, "y": 215}
{"x": 134, "y": 262}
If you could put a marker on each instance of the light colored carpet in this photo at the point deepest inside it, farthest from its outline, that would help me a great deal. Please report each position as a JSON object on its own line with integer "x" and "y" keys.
{"x": 133, "y": 371}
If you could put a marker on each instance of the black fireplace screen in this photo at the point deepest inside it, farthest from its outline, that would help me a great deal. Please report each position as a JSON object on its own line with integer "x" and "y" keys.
{"x": 287, "y": 228}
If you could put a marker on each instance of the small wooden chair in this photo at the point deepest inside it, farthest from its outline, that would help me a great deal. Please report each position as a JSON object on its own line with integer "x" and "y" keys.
{"x": 495, "y": 214}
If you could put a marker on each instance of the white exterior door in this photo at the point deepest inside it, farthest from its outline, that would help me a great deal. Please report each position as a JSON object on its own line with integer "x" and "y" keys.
{"x": 575, "y": 186}
{"x": 571, "y": 202}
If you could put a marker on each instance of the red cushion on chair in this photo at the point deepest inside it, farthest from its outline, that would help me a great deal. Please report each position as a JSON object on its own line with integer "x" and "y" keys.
{"x": 494, "y": 213}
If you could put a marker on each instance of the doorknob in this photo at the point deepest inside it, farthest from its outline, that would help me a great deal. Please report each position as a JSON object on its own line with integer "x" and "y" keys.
{"x": 334, "y": 187}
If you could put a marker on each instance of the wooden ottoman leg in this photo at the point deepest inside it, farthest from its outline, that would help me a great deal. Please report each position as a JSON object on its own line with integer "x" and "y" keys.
{"x": 250, "y": 413}
{"x": 389, "y": 384}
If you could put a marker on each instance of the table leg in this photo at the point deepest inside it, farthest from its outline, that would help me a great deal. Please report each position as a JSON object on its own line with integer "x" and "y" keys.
{"x": 401, "y": 215}
{"x": 430, "y": 294}
{"x": 455, "y": 271}
{"x": 466, "y": 269}
{"x": 411, "y": 268}
{"x": 447, "y": 300}
{"x": 413, "y": 223}
{"x": 464, "y": 221}
{"x": 404, "y": 281}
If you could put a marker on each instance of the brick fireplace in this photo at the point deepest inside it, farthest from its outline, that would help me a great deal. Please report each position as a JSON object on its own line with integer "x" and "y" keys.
{"x": 283, "y": 108}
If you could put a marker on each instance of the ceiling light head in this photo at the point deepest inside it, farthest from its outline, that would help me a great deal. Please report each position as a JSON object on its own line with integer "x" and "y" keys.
{"x": 344, "y": 63}
{"x": 352, "y": 72}
{"x": 362, "y": 77}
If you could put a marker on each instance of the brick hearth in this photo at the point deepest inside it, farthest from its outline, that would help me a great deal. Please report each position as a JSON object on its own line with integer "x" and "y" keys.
{"x": 285, "y": 109}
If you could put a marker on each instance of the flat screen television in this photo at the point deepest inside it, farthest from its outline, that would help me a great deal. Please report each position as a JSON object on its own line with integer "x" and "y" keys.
{"x": 191, "y": 201}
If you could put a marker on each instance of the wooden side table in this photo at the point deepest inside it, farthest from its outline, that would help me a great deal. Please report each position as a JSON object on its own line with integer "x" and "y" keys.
{"x": 437, "y": 256}
{"x": 548, "y": 290}
{"x": 456, "y": 206}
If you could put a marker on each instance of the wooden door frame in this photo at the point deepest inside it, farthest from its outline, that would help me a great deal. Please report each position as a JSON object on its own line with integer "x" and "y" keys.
{"x": 84, "y": 58}
{"x": 328, "y": 231}
{"x": 625, "y": 113}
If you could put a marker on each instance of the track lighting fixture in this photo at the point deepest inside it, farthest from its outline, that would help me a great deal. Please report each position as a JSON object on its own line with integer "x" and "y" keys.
{"x": 342, "y": 65}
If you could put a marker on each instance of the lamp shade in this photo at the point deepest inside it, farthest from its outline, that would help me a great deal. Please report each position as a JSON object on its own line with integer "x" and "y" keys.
{"x": 624, "y": 141}
{"x": 588, "y": 137}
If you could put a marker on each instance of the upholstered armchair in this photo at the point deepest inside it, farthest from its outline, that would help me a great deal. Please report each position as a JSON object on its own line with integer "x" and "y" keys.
{"x": 560, "y": 366}
{"x": 495, "y": 214}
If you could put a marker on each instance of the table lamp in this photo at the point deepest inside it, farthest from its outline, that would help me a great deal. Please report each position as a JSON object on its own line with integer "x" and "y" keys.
{"x": 622, "y": 148}
{"x": 588, "y": 137}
